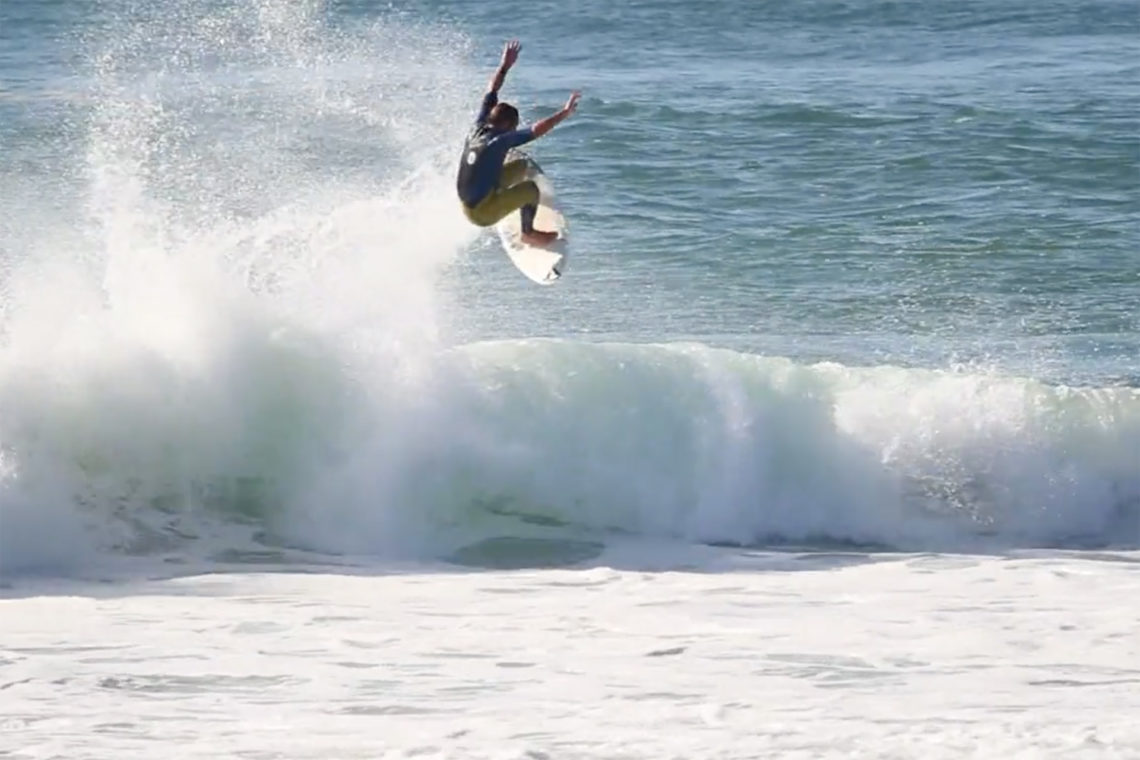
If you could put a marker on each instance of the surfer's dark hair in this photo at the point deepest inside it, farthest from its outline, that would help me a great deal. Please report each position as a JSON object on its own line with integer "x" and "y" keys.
{"x": 504, "y": 114}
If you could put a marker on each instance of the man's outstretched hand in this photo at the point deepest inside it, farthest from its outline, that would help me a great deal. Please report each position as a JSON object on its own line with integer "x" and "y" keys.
{"x": 510, "y": 54}
{"x": 540, "y": 128}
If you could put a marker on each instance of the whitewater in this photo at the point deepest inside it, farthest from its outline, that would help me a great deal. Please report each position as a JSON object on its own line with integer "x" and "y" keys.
{"x": 276, "y": 481}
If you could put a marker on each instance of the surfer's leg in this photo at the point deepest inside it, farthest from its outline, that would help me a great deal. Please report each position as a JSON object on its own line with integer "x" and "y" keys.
{"x": 527, "y": 213}
{"x": 513, "y": 173}
{"x": 513, "y": 185}
{"x": 522, "y": 197}
{"x": 507, "y": 200}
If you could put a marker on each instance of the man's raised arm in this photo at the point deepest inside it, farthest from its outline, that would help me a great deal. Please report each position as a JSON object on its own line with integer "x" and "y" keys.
{"x": 510, "y": 55}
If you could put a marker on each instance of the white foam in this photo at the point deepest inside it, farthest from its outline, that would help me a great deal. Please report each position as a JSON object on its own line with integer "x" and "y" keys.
{"x": 791, "y": 656}
{"x": 226, "y": 298}
{"x": 710, "y": 445}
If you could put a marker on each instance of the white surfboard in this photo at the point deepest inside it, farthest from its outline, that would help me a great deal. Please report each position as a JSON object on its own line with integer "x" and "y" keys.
{"x": 542, "y": 265}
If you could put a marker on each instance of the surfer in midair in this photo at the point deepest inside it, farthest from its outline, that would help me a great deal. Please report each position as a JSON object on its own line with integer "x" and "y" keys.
{"x": 488, "y": 188}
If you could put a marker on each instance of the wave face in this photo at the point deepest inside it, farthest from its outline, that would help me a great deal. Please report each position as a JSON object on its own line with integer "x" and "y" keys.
{"x": 714, "y": 446}
{"x": 683, "y": 442}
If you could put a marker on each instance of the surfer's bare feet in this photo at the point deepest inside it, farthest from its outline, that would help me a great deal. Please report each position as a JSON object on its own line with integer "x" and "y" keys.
{"x": 539, "y": 238}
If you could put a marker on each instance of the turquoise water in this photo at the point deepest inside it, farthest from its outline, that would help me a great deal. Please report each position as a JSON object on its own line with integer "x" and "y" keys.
{"x": 858, "y": 271}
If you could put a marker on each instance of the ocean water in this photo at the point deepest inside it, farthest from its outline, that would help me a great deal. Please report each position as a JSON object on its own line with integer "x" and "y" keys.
{"x": 854, "y": 289}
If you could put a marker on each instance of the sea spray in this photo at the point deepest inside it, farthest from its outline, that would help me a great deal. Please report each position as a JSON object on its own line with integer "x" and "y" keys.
{"x": 235, "y": 294}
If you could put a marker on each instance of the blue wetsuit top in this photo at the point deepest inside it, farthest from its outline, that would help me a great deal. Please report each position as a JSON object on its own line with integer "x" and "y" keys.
{"x": 484, "y": 153}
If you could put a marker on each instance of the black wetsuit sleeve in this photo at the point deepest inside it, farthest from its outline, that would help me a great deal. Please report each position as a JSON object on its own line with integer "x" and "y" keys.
{"x": 489, "y": 101}
{"x": 518, "y": 137}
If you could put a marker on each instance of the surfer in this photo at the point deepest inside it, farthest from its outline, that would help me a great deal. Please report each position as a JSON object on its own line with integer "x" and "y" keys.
{"x": 488, "y": 189}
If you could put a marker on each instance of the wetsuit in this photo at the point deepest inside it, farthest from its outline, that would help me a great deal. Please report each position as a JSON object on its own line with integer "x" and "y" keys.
{"x": 489, "y": 189}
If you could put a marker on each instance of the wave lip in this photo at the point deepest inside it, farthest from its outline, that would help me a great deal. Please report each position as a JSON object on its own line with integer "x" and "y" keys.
{"x": 713, "y": 445}
{"x": 576, "y": 440}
